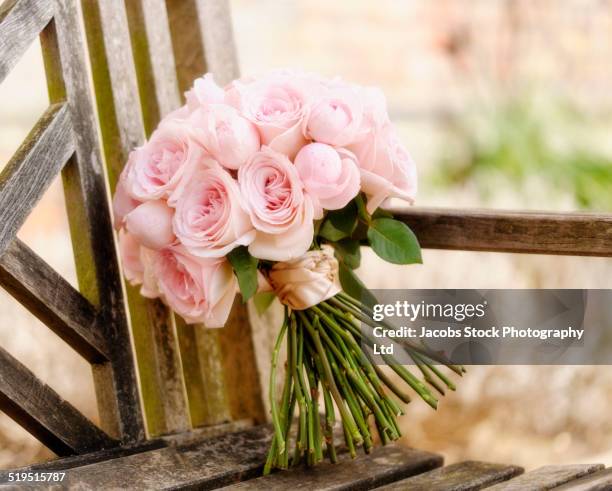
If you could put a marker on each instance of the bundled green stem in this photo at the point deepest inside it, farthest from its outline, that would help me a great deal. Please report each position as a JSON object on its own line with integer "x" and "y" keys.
{"x": 325, "y": 356}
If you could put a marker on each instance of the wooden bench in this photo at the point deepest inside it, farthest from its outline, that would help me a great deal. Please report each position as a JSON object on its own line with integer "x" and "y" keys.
{"x": 184, "y": 407}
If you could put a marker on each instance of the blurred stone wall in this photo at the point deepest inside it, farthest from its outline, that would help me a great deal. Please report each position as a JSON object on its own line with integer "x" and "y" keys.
{"x": 432, "y": 58}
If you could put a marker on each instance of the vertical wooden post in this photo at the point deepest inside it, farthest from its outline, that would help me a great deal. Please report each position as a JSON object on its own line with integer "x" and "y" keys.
{"x": 123, "y": 127}
{"x": 90, "y": 224}
{"x": 203, "y": 41}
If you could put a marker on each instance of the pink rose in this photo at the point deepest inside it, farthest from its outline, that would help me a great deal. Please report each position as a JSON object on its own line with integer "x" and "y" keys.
{"x": 279, "y": 209}
{"x": 386, "y": 168}
{"x": 336, "y": 117}
{"x": 123, "y": 204}
{"x": 204, "y": 92}
{"x": 151, "y": 224}
{"x": 277, "y": 106}
{"x": 330, "y": 176}
{"x": 210, "y": 219}
{"x": 404, "y": 180}
{"x": 137, "y": 264}
{"x": 129, "y": 251}
{"x": 154, "y": 170}
{"x": 199, "y": 290}
{"x": 227, "y": 136}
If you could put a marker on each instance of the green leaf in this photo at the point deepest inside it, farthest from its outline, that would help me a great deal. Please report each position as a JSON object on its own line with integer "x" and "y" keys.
{"x": 394, "y": 241}
{"x": 348, "y": 252}
{"x": 245, "y": 267}
{"x": 381, "y": 213}
{"x": 362, "y": 211}
{"x": 339, "y": 224}
{"x": 353, "y": 286}
{"x": 262, "y": 301}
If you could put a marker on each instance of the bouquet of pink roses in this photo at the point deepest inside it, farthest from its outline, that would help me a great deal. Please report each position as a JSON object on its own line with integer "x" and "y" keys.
{"x": 271, "y": 184}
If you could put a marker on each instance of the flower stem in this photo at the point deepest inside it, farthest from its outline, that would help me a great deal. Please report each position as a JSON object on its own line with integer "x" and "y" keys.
{"x": 278, "y": 432}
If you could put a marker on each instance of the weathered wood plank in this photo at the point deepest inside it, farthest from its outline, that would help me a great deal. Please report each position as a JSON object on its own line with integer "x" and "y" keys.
{"x": 219, "y": 46}
{"x": 116, "y": 87}
{"x": 598, "y": 481}
{"x": 72, "y": 461}
{"x": 239, "y": 366}
{"x": 202, "y": 41}
{"x": 203, "y": 371}
{"x": 154, "y": 59}
{"x": 547, "y": 477}
{"x": 187, "y": 42}
{"x": 206, "y": 464}
{"x": 41, "y": 411}
{"x": 32, "y": 169}
{"x": 53, "y": 300}
{"x": 384, "y": 465}
{"x": 190, "y": 437}
{"x": 90, "y": 224}
{"x": 464, "y": 476}
{"x": 577, "y": 234}
{"x": 20, "y": 23}
{"x": 122, "y": 128}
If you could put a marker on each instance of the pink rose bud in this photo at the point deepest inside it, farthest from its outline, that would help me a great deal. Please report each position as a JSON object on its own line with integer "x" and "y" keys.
{"x": 129, "y": 250}
{"x": 227, "y": 136}
{"x": 123, "y": 204}
{"x": 330, "y": 176}
{"x": 204, "y": 91}
{"x": 151, "y": 224}
{"x": 336, "y": 117}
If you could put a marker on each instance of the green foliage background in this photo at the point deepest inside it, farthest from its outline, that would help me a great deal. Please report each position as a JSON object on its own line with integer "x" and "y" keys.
{"x": 525, "y": 139}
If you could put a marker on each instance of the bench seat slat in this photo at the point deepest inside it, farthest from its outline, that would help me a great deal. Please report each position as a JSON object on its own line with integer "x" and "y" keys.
{"x": 39, "y": 409}
{"x": 32, "y": 169}
{"x": 464, "y": 476}
{"x": 598, "y": 481}
{"x": 53, "y": 300}
{"x": 20, "y": 23}
{"x": 580, "y": 234}
{"x": 547, "y": 477}
{"x": 205, "y": 464}
{"x": 384, "y": 465}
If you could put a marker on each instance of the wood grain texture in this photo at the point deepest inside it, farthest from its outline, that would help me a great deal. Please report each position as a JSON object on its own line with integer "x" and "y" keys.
{"x": 219, "y": 46}
{"x": 202, "y": 41}
{"x": 154, "y": 59}
{"x": 577, "y": 234}
{"x": 547, "y": 477}
{"x": 20, "y": 23}
{"x": 53, "y": 300}
{"x": 463, "y": 476}
{"x": 115, "y": 84}
{"x": 122, "y": 128}
{"x": 598, "y": 481}
{"x": 205, "y": 464}
{"x": 187, "y": 42}
{"x": 41, "y": 411}
{"x": 35, "y": 165}
{"x": 90, "y": 224}
{"x": 239, "y": 366}
{"x": 384, "y": 465}
{"x": 203, "y": 371}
